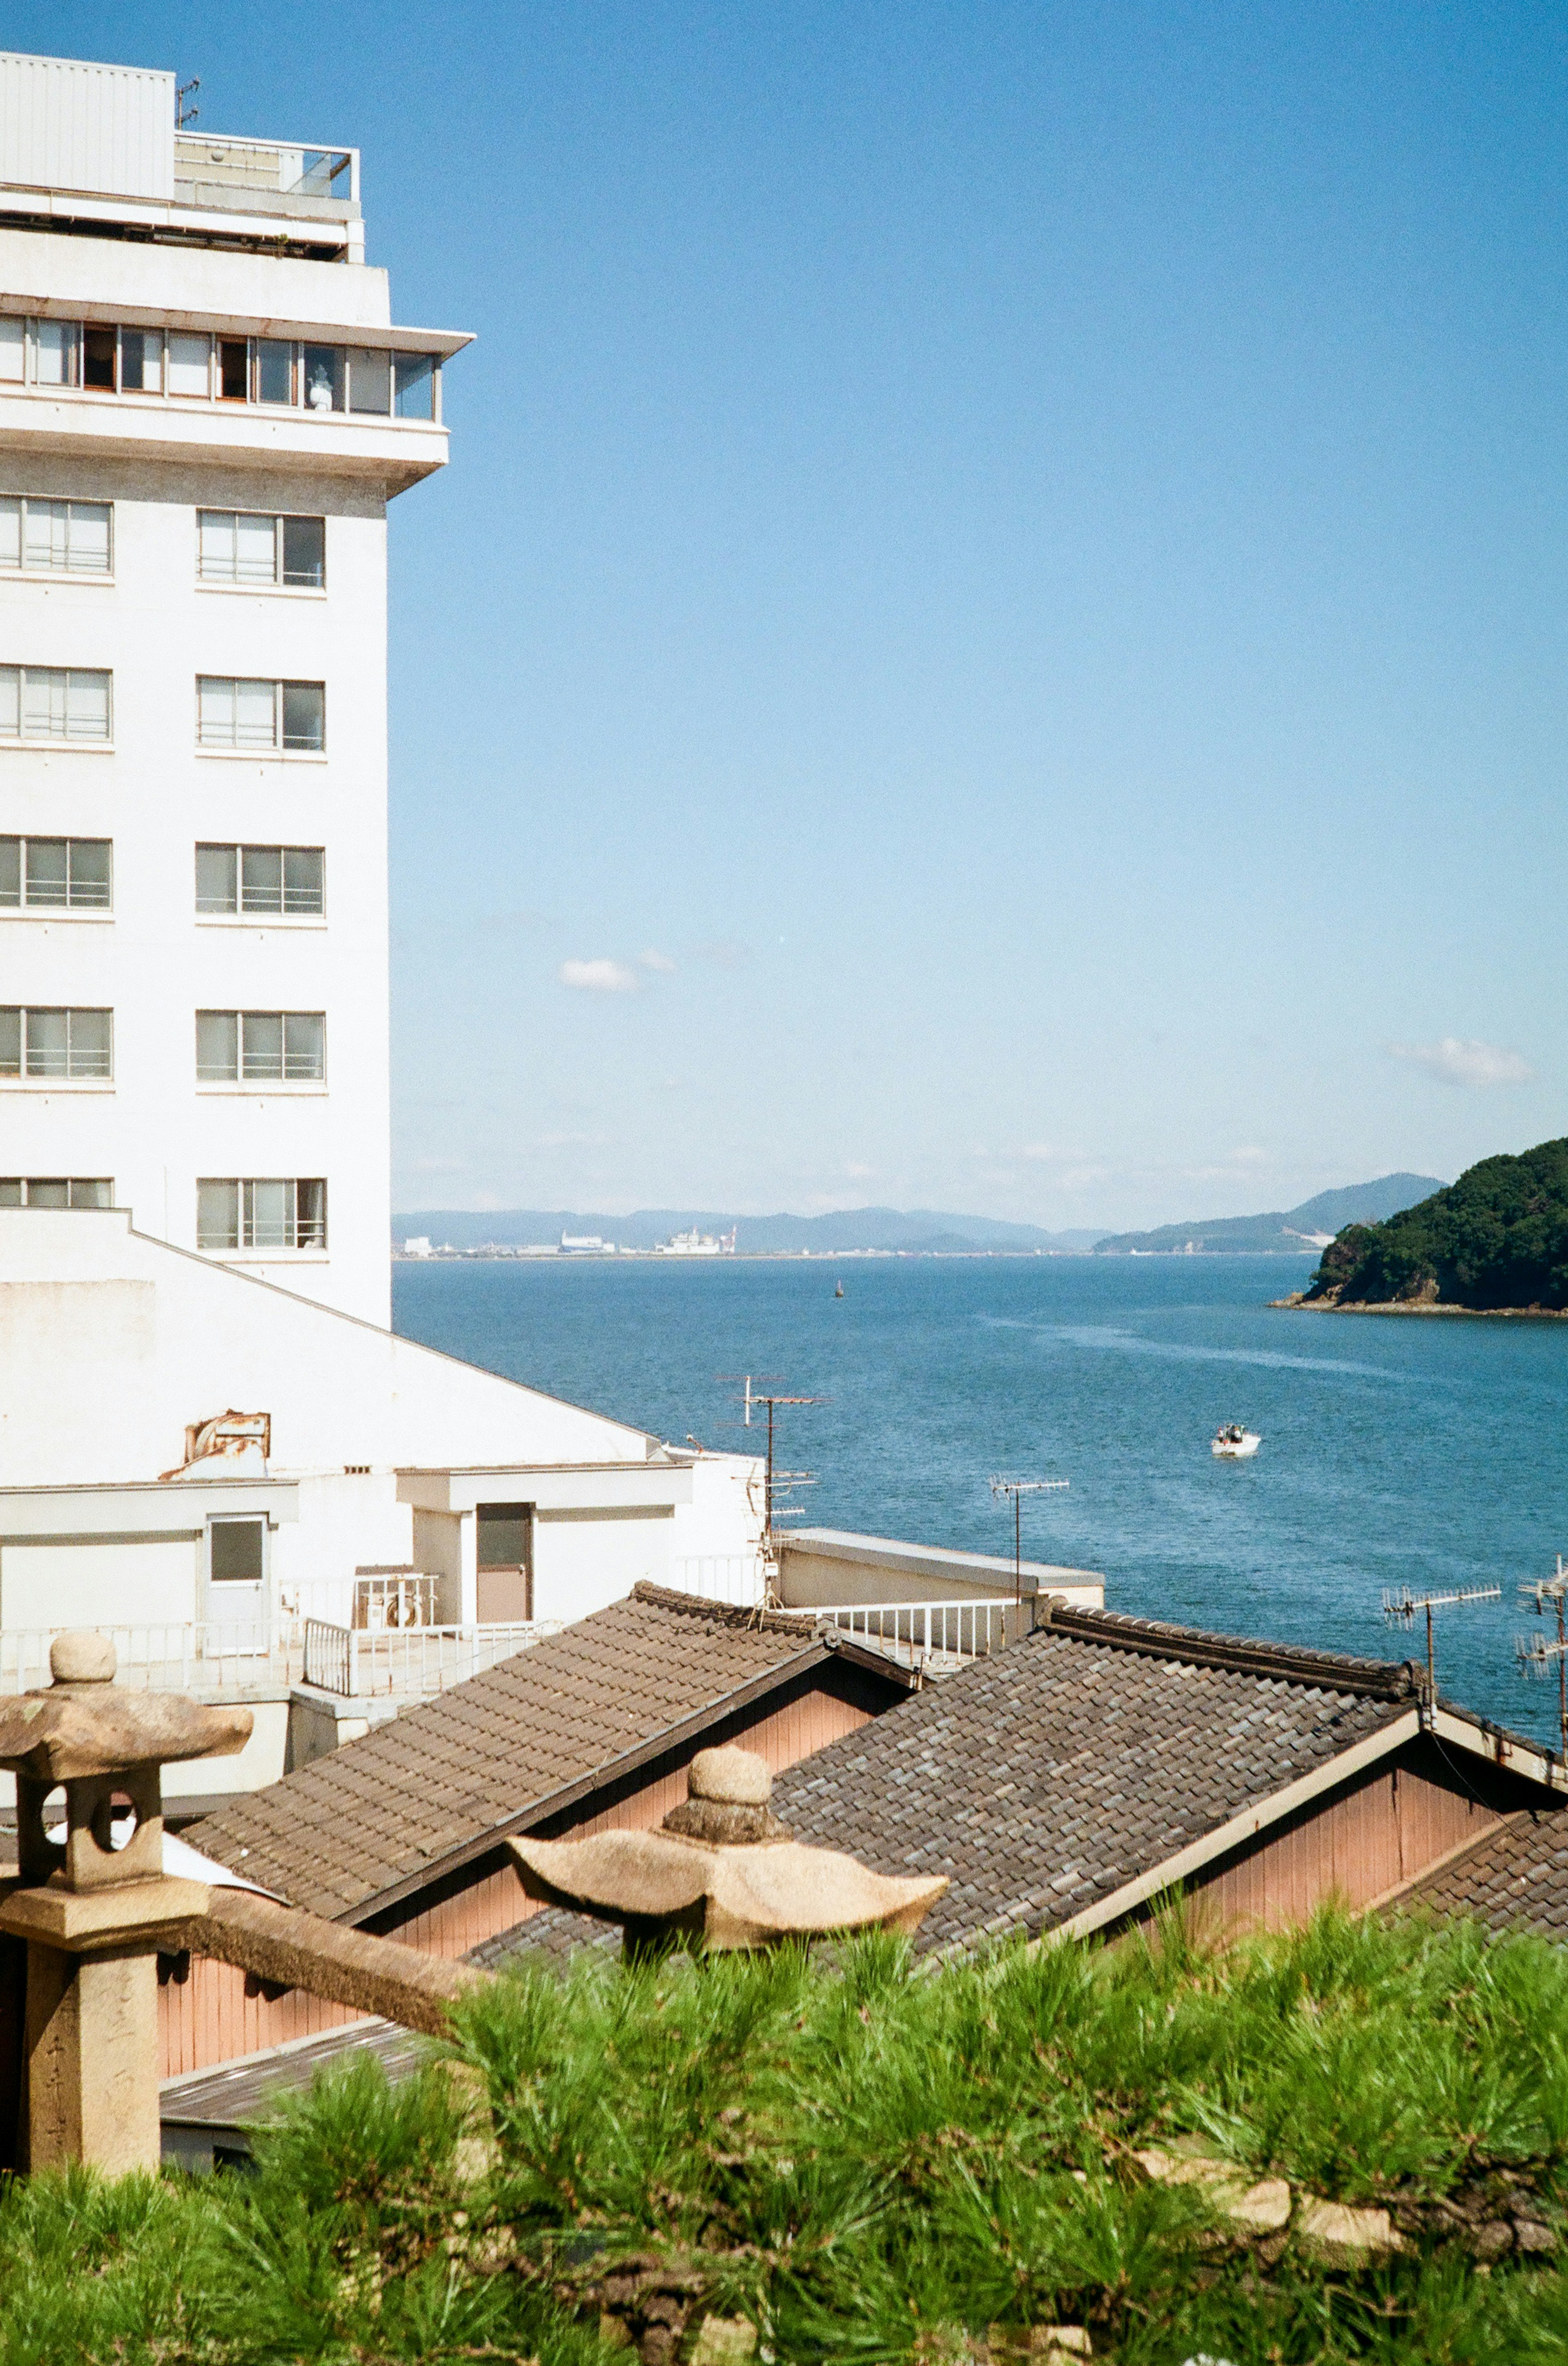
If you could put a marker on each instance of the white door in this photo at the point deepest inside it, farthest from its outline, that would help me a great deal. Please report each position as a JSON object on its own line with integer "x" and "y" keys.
{"x": 237, "y": 1605}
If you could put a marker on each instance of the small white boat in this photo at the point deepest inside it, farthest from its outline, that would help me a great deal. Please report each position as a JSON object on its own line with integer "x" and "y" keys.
{"x": 1234, "y": 1443}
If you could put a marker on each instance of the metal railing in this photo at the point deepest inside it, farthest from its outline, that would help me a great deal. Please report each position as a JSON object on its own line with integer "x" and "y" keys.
{"x": 200, "y": 1654}
{"x": 929, "y": 1634}
{"x": 421, "y": 1661}
{"x": 737, "y": 1578}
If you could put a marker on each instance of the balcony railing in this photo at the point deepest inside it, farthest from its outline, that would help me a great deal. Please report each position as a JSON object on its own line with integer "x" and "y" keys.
{"x": 421, "y": 1661}
{"x": 221, "y": 170}
{"x": 737, "y": 1578}
{"x": 936, "y": 1637}
{"x": 201, "y": 1654}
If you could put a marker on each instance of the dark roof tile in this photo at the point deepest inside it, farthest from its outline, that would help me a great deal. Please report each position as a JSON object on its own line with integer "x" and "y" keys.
{"x": 343, "y": 1832}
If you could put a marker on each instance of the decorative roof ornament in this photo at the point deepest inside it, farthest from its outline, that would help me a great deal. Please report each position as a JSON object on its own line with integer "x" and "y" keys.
{"x": 722, "y": 1873}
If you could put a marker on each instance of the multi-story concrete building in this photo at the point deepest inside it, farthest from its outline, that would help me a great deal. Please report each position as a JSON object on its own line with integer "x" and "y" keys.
{"x": 205, "y": 409}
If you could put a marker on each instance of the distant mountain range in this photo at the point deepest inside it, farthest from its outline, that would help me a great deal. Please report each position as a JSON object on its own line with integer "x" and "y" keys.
{"x": 926, "y": 1229}
{"x": 1287, "y": 1229}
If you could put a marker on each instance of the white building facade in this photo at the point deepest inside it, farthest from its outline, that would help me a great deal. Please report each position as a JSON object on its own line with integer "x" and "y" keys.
{"x": 205, "y": 409}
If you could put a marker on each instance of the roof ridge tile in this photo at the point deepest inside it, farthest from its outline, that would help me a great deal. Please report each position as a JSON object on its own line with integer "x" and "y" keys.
{"x": 1296, "y": 1663}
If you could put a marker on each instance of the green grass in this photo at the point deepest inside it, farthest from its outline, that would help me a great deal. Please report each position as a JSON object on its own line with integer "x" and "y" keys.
{"x": 866, "y": 2162}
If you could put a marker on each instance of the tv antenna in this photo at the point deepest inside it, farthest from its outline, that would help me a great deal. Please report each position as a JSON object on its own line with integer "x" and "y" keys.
{"x": 768, "y": 1390}
{"x": 1018, "y": 1489}
{"x": 184, "y": 114}
{"x": 1400, "y": 1606}
{"x": 1535, "y": 1654}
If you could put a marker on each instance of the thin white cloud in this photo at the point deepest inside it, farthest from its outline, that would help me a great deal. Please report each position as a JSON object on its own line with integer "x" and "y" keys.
{"x": 857, "y": 1171}
{"x": 599, "y": 976}
{"x": 659, "y": 962}
{"x": 1471, "y": 1064}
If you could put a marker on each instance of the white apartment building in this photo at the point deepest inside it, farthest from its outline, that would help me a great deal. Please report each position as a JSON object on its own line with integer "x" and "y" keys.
{"x": 205, "y": 409}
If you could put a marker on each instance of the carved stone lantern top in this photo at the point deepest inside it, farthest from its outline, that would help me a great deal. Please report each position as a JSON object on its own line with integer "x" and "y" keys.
{"x": 105, "y": 1745}
{"x": 724, "y": 1871}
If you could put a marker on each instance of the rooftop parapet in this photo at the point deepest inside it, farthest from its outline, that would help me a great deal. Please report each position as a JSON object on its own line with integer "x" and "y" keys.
{"x": 98, "y": 147}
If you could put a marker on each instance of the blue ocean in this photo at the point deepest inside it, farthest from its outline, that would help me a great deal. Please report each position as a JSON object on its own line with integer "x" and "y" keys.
{"x": 1431, "y": 1454}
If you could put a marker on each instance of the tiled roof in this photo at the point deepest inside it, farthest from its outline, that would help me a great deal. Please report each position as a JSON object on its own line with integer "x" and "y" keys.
{"x": 1515, "y": 1877}
{"x": 1046, "y": 1778}
{"x": 441, "y": 1783}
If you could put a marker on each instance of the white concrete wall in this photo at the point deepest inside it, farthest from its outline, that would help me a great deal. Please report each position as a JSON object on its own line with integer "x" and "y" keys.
{"x": 154, "y": 1130}
{"x": 823, "y": 1567}
{"x": 111, "y": 1341}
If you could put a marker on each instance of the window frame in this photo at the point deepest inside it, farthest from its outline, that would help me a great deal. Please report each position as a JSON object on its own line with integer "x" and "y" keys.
{"x": 278, "y": 582}
{"x": 23, "y": 739}
{"x": 244, "y": 1215}
{"x": 26, "y": 909}
{"x": 66, "y": 574}
{"x": 244, "y": 1078}
{"x": 240, "y": 914}
{"x": 274, "y": 750}
{"x": 27, "y": 1077}
{"x": 74, "y": 1183}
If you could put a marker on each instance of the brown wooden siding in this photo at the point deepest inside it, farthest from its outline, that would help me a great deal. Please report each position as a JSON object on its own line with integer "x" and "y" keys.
{"x": 1357, "y": 1844}
{"x": 208, "y": 2018}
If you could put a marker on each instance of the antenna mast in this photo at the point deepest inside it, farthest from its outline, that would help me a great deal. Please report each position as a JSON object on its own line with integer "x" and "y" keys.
{"x": 1535, "y": 1655}
{"x": 1018, "y": 1489}
{"x": 184, "y": 114}
{"x": 1399, "y": 1608}
{"x": 757, "y": 1392}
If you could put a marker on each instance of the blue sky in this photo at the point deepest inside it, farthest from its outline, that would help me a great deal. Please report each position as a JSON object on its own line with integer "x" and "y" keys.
{"x": 995, "y": 634}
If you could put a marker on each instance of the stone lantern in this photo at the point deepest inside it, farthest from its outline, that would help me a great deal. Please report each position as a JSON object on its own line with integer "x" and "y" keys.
{"x": 94, "y": 1915}
{"x": 722, "y": 1873}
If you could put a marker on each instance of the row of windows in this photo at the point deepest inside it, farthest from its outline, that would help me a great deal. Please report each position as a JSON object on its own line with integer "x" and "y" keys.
{"x": 76, "y": 874}
{"x": 232, "y": 1047}
{"x": 72, "y": 706}
{"x": 278, "y": 372}
{"x": 232, "y": 1212}
{"x": 259, "y": 548}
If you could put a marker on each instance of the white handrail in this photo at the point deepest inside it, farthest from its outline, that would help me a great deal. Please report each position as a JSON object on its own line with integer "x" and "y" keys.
{"x": 356, "y": 1663}
{"x": 917, "y": 1632}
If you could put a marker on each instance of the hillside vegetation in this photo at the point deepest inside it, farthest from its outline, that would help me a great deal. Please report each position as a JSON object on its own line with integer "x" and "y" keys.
{"x": 1497, "y": 1237}
{"x": 780, "y": 2159}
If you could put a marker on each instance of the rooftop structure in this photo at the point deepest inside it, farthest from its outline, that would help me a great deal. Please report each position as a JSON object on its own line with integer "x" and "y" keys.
{"x": 206, "y": 409}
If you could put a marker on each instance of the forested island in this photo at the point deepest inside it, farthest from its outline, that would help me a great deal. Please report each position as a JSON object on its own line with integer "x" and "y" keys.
{"x": 1494, "y": 1242}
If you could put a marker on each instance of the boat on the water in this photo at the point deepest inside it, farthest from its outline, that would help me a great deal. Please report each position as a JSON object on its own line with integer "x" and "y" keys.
{"x": 1233, "y": 1443}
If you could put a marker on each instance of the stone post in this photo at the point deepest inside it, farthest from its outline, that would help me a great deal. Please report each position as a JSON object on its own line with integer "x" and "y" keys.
{"x": 93, "y": 1914}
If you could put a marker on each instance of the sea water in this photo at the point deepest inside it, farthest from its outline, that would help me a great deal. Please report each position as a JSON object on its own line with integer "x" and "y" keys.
{"x": 1397, "y": 1451}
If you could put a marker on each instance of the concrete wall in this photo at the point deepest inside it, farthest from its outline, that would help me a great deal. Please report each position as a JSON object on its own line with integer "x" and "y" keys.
{"x": 824, "y": 1566}
{"x": 111, "y": 1341}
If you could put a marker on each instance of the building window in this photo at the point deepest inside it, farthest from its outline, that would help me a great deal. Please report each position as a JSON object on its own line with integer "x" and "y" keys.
{"x": 55, "y": 704}
{"x": 261, "y": 1047}
{"x": 100, "y": 359}
{"x": 59, "y": 874}
{"x": 54, "y": 537}
{"x": 75, "y": 1046}
{"x": 238, "y": 1551}
{"x": 57, "y": 346}
{"x": 190, "y": 364}
{"x": 247, "y": 546}
{"x": 414, "y": 385}
{"x": 57, "y": 1191}
{"x": 141, "y": 361}
{"x": 260, "y": 714}
{"x": 287, "y": 880}
{"x": 261, "y": 1213}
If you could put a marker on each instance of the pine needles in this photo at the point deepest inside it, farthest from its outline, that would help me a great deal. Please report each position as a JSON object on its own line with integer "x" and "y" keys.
{"x": 865, "y": 2162}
